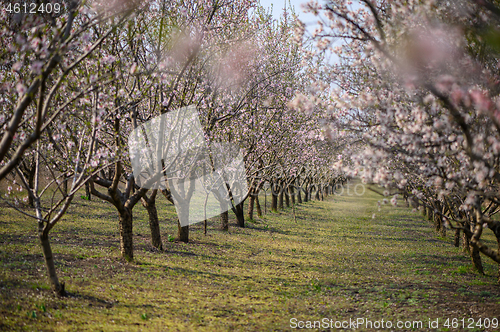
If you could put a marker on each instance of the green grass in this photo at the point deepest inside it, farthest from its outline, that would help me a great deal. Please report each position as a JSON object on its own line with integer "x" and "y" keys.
{"x": 334, "y": 262}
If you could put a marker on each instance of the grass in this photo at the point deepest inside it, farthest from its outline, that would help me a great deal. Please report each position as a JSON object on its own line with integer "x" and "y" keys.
{"x": 336, "y": 262}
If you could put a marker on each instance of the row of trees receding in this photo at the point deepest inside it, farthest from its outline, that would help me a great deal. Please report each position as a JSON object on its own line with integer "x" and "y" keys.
{"x": 417, "y": 89}
{"x": 76, "y": 83}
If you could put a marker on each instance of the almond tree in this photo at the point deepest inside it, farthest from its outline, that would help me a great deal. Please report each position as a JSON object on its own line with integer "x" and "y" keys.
{"x": 45, "y": 115}
{"x": 416, "y": 82}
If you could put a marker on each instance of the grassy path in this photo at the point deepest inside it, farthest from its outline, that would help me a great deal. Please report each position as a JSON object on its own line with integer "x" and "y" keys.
{"x": 335, "y": 262}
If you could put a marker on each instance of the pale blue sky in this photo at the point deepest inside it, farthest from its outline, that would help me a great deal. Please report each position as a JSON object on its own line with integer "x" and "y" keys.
{"x": 278, "y": 6}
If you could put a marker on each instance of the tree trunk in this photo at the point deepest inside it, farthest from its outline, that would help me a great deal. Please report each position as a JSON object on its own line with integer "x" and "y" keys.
{"x": 240, "y": 214}
{"x": 251, "y": 204}
{"x": 291, "y": 189}
{"x": 274, "y": 199}
{"x": 280, "y": 198}
{"x": 438, "y": 221}
{"x": 182, "y": 232}
{"x": 126, "y": 236}
{"x": 456, "y": 241}
{"x": 265, "y": 202}
{"x": 476, "y": 259}
{"x": 65, "y": 186}
{"x": 154, "y": 225}
{"x": 299, "y": 194}
{"x": 287, "y": 197}
{"x": 306, "y": 194}
{"x": 257, "y": 205}
{"x": 88, "y": 191}
{"x": 224, "y": 217}
{"x": 465, "y": 243}
{"x": 57, "y": 287}
{"x": 430, "y": 214}
{"x": 317, "y": 196}
{"x": 31, "y": 183}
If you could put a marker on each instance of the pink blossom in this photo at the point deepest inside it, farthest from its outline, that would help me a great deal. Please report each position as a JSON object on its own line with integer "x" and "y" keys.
{"x": 36, "y": 67}
{"x": 480, "y": 100}
{"x": 21, "y": 88}
{"x": 133, "y": 68}
{"x": 16, "y": 66}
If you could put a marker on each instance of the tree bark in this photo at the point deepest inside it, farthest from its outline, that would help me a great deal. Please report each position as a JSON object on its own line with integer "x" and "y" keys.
{"x": 154, "y": 224}
{"x": 280, "y": 198}
{"x": 224, "y": 218}
{"x": 126, "y": 236}
{"x": 265, "y": 202}
{"x": 57, "y": 287}
{"x": 438, "y": 220}
{"x": 257, "y": 205}
{"x": 430, "y": 214}
{"x": 88, "y": 192}
{"x": 65, "y": 186}
{"x": 251, "y": 204}
{"x": 476, "y": 259}
{"x": 274, "y": 201}
{"x": 466, "y": 243}
{"x": 287, "y": 197}
{"x": 182, "y": 232}
{"x": 456, "y": 241}
{"x": 31, "y": 183}
{"x": 240, "y": 214}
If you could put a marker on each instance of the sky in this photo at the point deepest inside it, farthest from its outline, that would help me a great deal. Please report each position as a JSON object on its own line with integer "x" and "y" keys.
{"x": 308, "y": 19}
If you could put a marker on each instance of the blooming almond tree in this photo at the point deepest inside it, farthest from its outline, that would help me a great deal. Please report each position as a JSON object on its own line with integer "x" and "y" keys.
{"x": 416, "y": 82}
{"x": 41, "y": 53}
{"x": 47, "y": 130}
